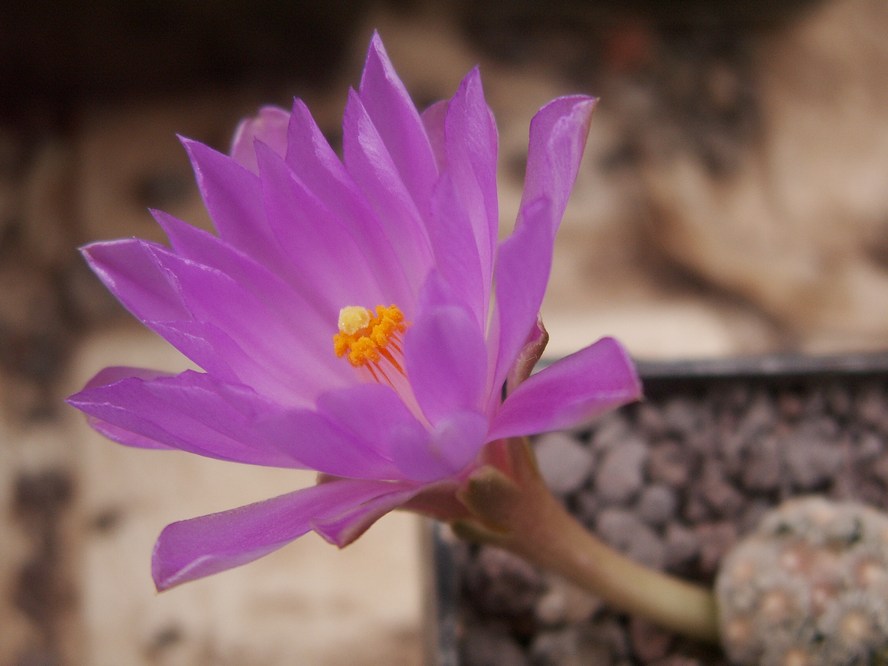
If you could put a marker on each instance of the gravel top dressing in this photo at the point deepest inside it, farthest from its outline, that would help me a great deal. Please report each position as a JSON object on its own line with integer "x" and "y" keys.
{"x": 673, "y": 482}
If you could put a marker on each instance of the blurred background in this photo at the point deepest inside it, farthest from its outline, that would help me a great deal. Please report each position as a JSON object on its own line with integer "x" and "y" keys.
{"x": 733, "y": 200}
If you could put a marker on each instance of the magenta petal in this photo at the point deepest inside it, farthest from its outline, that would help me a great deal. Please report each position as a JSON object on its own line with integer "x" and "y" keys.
{"x": 130, "y": 270}
{"x": 570, "y": 392}
{"x": 198, "y": 547}
{"x": 261, "y": 314}
{"x": 471, "y": 144}
{"x": 458, "y": 438}
{"x": 133, "y": 273}
{"x": 374, "y": 414}
{"x": 433, "y": 119}
{"x": 523, "y": 264}
{"x": 315, "y": 164}
{"x": 395, "y": 117}
{"x": 557, "y": 140}
{"x": 233, "y": 199}
{"x": 196, "y": 413}
{"x": 191, "y": 412}
{"x": 453, "y": 443}
{"x": 446, "y": 362}
{"x": 320, "y": 249}
{"x": 370, "y": 164}
{"x": 119, "y": 435}
{"x": 344, "y": 528}
{"x": 463, "y": 220}
{"x": 323, "y": 445}
{"x": 213, "y": 253}
{"x": 204, "y": 248}
{"x": 456, "y": 252}
{"x": 214, "y": 351}
{"x": 269, "y": 127}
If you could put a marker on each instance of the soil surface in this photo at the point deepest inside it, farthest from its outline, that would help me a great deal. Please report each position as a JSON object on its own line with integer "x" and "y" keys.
{"x": 673, "y": 482}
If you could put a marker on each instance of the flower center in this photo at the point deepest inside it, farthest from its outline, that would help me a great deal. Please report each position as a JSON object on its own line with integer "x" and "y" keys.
{"x": 371, "y": 340}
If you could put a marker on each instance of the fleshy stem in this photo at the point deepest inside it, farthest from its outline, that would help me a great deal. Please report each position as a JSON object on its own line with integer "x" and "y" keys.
{"x": 513, "y": 509}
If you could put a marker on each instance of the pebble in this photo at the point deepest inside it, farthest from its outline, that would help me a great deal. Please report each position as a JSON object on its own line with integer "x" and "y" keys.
{"x": 624, "y": 531}
{"x": 608, "y": 631}
{"x": 669, "y": 463}
{"x": 503, "y": 583}
{"x": 491, "y": 648}
{"x": 811, "y": 463}
{"x": 869, "y": 447}
{"x": 681, "y": 415}
{"x": 657, "y": 504}
{"x": 758, "y": 418}
{"x": 569, "y": 647}
{"x": 682, "y": 545}
{"x": 715, "y": 540}
{"x": 763, "y": 471}
{"x": 649, "y": 641}
{"x": 871, "y": 407}
{"x": 722, "y": 497}
{"x": 565, "y": 602}
{"x": 880, "y": 469}
{"x": 651, "y": 420}
{"x": 563, "y": 461}
{"x": 621, "y": 473}
{"x": 611, "y": 432}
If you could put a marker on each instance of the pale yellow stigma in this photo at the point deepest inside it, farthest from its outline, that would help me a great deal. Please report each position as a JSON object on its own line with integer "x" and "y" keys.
{"x": 353, "y": 318}
{"x": 368, "y": 339}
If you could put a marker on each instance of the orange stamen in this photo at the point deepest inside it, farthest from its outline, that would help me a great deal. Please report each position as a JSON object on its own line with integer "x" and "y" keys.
{"x": 368, "y": 339}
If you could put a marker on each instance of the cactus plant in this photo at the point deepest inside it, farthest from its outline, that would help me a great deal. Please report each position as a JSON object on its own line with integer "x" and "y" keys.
{"x": 809, "y": 587}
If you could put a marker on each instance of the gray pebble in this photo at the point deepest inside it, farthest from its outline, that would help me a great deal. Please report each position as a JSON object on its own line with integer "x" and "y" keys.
{"x": 682, "y": 545}
{"x": 656, "y": 504}
{"x": 725, "y": 500}
{"x": 811, "y": 463}
{"x": 649, "y": 641}
{"x": 759, "y": 418}
{"x": 870, "y": 407}
{"x": 621, "y": 472}
{"x": 588, "y": 506}
{"x": 563, "y": 461}
{"x": 763, "y": 472}
{"x": 650, "y": 420}
{"x": 565, "y": 602}
{"x": 669, "y": 463}
{"x": 482, "y": 646}
{"x": 715, "y": 540}
{"x": 611, "y": 432}
{"x": 681, "y": 415}
{"x": 869, "y": 447}
{"x": 503, "y": 583}
{"x": 627, "y": 533}
{"x": 570, "y": 647}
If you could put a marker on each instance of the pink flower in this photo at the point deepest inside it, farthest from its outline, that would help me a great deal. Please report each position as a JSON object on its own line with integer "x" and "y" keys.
{"x": 356, "y": 317}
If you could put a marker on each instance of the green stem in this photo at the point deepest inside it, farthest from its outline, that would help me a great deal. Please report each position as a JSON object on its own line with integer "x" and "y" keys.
{"x": 515, "y": 511}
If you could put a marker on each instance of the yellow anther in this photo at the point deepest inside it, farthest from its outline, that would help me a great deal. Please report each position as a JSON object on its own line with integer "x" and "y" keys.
{"x": 366, "y": 338}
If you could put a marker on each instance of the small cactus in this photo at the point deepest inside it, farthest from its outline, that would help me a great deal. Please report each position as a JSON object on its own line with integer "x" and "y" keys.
{"x": 808, "y": 588}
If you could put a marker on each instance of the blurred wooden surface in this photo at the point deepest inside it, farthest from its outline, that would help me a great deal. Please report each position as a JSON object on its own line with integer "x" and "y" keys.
{"x": 731, "y": 201}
